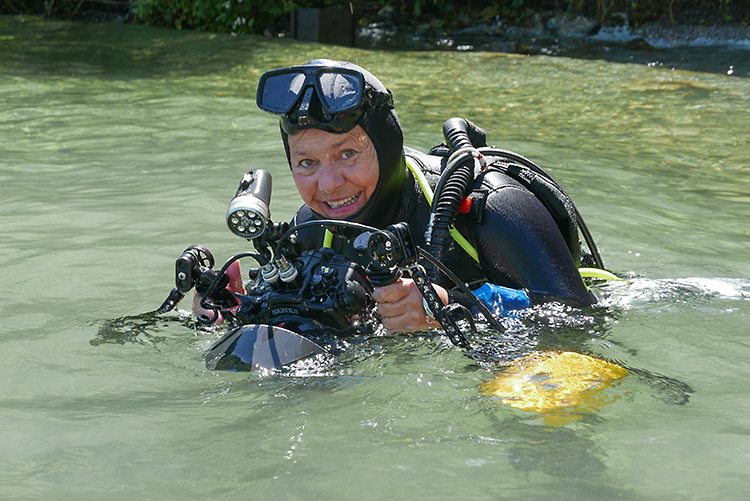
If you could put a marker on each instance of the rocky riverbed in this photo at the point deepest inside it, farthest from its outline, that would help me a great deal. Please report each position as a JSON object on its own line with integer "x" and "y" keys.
{"x": 716, "y": 49}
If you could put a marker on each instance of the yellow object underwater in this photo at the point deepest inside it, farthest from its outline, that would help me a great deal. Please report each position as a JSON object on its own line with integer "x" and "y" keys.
{"x": 559, "y": 386}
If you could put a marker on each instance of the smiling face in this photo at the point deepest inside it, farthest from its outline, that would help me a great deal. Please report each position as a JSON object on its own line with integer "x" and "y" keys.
{"x": 334, "y": 173}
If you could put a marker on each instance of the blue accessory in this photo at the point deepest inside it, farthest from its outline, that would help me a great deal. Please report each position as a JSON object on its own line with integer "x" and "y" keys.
{"x": 502, "y": 299}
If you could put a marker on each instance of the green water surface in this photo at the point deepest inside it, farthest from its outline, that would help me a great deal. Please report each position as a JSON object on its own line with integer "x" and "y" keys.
{"x": 122, "y": 145}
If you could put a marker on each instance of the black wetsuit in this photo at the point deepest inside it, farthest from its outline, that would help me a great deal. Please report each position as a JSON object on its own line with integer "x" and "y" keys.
{"x": 518, "y": 242}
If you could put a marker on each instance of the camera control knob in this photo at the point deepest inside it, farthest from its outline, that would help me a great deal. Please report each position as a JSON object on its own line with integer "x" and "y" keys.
{"x": 329, "y": 275}
{"x": 351, "y": 297}
{"x": 317, "y": 284}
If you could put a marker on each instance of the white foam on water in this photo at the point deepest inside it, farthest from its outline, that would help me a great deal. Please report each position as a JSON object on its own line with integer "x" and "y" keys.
{"x": 674, "y": 39}
{"x": 730, "y": 288}
{"x": 665, "y": 291}
{"x": 620, "y": 34}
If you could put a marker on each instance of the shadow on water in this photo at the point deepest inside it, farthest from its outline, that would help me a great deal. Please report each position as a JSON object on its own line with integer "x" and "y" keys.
{"x": 552, "y": 328}
{"x": 138, "y": 329}
{"x": 574, "y": 462}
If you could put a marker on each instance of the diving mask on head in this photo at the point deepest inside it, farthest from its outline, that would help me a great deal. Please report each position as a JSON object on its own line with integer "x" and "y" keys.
{"x": 329, "y": 98}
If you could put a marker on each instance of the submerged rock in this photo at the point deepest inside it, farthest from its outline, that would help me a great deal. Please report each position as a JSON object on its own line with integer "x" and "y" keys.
{"x": 569, "y": 26}
{"x": 639, "y": 44}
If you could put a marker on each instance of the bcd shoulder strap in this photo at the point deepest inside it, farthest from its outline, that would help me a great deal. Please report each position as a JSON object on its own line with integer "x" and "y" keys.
{"x": 559, "y": 205}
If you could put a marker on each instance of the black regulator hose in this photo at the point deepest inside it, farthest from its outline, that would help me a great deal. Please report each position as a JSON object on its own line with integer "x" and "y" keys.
{"x": 454, "y": 184}
{"x": 461, "y": 133}
{"x": 333, "y": 225}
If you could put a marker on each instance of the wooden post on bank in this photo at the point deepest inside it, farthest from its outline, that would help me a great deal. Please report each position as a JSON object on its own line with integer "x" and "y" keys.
{"x": 329, "y": 26}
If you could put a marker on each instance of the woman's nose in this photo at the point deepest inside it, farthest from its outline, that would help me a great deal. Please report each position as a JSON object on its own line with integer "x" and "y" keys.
{"x": 330, "y": 178}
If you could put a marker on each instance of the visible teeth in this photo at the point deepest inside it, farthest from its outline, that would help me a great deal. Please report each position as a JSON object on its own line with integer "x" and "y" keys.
{"x": 341, "y": 203}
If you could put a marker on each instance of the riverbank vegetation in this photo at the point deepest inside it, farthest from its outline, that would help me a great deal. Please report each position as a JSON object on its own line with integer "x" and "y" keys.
{"x": 272, "y": 16}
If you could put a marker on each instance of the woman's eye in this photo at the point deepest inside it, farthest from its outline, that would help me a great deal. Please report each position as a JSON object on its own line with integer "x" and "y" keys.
{"x": 347, "y": 154}
{"x": 306, "y": 163}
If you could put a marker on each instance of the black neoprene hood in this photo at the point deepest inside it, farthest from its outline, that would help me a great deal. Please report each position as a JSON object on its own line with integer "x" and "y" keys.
{"x": 384, "y": 130}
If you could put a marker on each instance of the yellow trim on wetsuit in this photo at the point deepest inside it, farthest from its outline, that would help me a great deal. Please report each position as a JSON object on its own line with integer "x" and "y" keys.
{"x": 598, "y": 273}
{"x": 465, "y": 245}
{"x": 428, "y": 194}
{"x": 328, "y": 239}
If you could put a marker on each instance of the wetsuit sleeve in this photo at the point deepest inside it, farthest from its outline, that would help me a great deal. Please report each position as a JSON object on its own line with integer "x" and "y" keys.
{"x": 520, "y": 246}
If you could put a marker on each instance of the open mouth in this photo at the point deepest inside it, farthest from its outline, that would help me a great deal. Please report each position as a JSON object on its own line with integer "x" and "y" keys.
{"x": 342, "y": 203}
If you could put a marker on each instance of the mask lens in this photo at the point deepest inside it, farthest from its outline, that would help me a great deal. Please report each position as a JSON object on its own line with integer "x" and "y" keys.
{"x": 340, "y": 92}
{"x": 278, "y": 93}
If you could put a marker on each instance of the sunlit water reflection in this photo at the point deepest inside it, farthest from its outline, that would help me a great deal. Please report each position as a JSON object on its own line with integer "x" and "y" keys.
{"x": 121, "y": 146}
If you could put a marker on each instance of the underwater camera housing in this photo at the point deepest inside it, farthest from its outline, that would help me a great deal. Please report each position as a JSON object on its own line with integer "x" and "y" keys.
{"x": 295, "y": 298}
{"x": 299, "y": 298}
{"x": 283, "y": 322}
{"x": 330, "y": 295}
{"x": 310, "y": 293}
{"x": 282, "y": 316}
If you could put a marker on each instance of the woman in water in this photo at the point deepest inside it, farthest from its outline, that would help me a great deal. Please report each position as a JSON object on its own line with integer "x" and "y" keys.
{"x": 345, "y": 149}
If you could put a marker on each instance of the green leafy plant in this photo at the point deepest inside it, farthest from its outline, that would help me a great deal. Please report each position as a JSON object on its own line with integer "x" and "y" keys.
{"x": 253, "y": 16}
{"x": 228, "y": 16}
